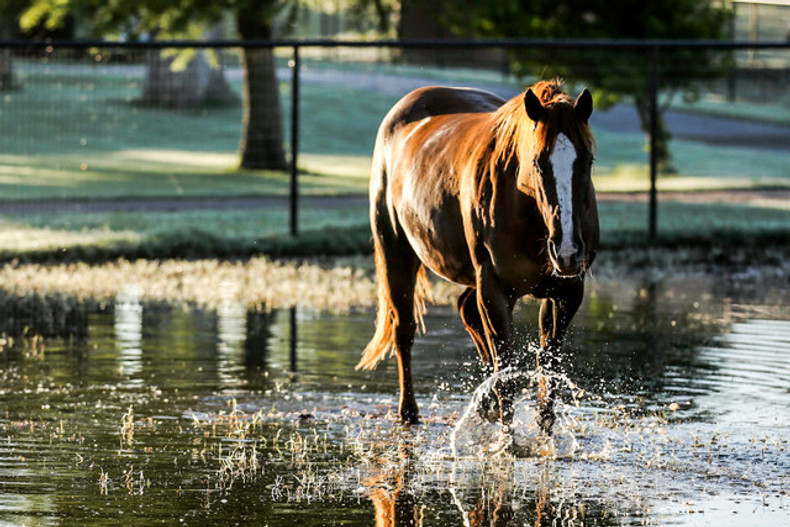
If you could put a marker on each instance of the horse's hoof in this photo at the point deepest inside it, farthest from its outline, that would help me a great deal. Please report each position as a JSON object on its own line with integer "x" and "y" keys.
{"x": 488, "y": 409}
{"x": 546, "y": 422}
{"x": 409, "y": 417}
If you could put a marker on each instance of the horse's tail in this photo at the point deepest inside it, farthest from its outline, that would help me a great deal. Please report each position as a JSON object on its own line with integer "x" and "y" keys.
{"x": 383, "y": 342}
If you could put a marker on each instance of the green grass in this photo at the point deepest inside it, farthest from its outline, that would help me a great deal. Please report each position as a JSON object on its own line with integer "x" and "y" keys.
{"x": 76, "y": 132}
{"x": 151, "y": 173}
{"x": 717, "y": 105}
{"x": 200, "y": 234}
{"x": 625, "y": 224}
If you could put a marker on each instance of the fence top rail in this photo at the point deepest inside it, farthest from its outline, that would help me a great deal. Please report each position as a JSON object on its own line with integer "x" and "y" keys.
{"x": 421, "y": 43}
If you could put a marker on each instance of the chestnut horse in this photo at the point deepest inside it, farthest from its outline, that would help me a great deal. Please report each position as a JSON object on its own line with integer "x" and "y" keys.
{"x": 496, "y": 196}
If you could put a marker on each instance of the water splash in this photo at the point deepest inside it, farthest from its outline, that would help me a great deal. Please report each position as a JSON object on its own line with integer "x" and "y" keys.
{"x": 474, "y": 436}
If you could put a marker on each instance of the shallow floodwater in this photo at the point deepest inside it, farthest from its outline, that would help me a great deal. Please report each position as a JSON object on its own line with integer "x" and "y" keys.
{"x": 676, "y": 412}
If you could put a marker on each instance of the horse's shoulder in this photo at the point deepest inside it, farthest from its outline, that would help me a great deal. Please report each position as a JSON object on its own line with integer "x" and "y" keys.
{"x": 433, "y": 101}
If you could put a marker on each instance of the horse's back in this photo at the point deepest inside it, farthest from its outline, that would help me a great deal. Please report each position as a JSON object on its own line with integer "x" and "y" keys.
{"x": 417, "y": 172}
{"x": 433, "y": 101}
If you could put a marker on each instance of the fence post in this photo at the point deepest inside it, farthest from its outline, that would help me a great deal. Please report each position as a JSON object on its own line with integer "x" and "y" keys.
{"x": 653, "y": 205}
{"x": 294, "y": 186}
{"x": 293, "y": 340}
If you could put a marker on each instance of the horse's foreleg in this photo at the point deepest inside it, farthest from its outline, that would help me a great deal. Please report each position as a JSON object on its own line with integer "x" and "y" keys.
{"x": 555, "y": 316}
{"x": 470, "y": 316}
{"x": 496, "y": 317}
{"x": 489, "y": 405}
{"x": 495, "y": 308}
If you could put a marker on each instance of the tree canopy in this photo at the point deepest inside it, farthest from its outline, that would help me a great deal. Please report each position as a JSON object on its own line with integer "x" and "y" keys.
{"x": 612, "y": 73}
{"x": 588, "y": 18}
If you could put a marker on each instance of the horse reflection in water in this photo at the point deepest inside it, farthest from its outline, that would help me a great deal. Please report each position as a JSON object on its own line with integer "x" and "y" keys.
{"x": 389, "y": 491}
{"x": 491, "y": 194}
{"x": 395, "y": 504}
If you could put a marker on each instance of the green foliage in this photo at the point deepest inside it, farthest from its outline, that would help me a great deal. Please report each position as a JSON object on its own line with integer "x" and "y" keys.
{"x": 164, "y": 17}
{"x": 632, "y": 19}
{"x": 618, "y": 72}
{"x": 611, "y": 74}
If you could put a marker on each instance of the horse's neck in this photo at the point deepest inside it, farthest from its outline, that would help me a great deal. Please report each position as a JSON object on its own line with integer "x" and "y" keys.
{"x": 523, "y": 176}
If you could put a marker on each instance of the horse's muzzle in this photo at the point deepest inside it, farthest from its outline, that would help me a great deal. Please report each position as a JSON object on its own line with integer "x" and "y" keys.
{"x": 570, "y": 264}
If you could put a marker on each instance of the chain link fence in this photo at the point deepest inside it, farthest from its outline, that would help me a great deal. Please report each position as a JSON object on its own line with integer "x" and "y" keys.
{"x": 134, "y": 145}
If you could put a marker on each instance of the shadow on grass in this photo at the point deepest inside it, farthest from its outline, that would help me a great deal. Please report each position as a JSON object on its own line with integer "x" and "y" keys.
{"x": 194, "y": 243}
{"x": 719, "y": 247}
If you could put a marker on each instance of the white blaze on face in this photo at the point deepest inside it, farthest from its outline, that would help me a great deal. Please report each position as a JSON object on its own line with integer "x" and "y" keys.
{"x": 562, "y": 164}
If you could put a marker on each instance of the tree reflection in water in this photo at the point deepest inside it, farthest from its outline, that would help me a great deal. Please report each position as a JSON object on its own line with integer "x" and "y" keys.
{"x": 639, "y": 347}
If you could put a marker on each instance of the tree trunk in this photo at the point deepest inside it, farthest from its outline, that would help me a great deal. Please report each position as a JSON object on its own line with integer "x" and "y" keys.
{"x": 6, "y": 59}
{"x": 262, "y": 127}
{"x": 663, "y": 154}
{"x": 421, "y": 19}
{"x": 196, "y": 85}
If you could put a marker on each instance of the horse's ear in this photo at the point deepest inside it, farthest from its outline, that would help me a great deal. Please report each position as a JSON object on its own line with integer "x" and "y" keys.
{"x": 535, "y": 109}
{"x": 583, "y": 105}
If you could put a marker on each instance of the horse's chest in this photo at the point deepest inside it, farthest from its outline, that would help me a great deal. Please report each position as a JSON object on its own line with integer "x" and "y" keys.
{"x": 518, "y": 273}
{"x": 516, "y": 259}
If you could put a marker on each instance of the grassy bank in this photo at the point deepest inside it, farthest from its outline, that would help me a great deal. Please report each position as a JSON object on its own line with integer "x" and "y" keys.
{"x": 341, "y": 283}
{"x": 98, "y": 237}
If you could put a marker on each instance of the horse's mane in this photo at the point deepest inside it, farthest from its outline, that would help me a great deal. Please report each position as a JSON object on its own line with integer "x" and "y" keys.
{"x": 513, "y": 136}
{"x": 516, "y": 134}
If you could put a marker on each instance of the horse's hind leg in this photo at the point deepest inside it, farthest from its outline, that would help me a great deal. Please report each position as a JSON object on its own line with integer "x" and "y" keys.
{"x": 402, "y": 280}
{"x": 555, "y": 316}
{"x": 397, "y": 272}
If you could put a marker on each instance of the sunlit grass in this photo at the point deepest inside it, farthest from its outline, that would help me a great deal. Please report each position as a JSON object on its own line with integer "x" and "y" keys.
{"x": 714, "y": 223}
{"x": 255, "y": 283}
{"x": 44, "y": 230}
{"x": 170, "y": 173}
{"x": 78, "y": 133}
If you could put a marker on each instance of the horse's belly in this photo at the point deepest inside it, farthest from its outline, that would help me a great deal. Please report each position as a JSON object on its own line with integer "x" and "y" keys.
{"x": 449, "y": 268}
{"x": 439, "y": 242}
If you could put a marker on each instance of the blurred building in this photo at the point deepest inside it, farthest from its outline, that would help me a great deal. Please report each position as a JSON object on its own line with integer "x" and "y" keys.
{"x": 760, "y": 75}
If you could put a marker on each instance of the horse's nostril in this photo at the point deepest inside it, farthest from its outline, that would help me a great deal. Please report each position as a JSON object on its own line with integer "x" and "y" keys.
{"x": 566, "y": 263}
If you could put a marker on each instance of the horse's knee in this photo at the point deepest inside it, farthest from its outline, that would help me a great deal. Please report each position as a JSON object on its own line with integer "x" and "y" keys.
{"x": 470, "y": 316}
{"x": 467, "y": 308}
{"x": 404, "y": 335}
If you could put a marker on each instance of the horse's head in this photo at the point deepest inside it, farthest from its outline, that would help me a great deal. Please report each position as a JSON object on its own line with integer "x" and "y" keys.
{"x": 560, "y": 174}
